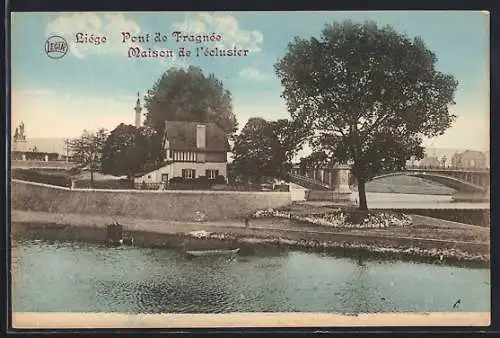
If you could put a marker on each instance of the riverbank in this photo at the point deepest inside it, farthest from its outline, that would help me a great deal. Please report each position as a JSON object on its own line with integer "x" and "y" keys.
{"x": 426, "y": 239}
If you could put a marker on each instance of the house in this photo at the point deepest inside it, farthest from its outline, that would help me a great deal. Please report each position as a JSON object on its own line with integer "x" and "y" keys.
{"x": 193, "y": 149}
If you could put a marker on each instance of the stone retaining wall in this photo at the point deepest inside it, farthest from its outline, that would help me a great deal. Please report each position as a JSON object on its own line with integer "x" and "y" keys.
{"x": 168, "y": 205}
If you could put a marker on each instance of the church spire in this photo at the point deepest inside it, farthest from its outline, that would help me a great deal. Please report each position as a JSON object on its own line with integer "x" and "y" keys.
{"x": 138, "y": 110}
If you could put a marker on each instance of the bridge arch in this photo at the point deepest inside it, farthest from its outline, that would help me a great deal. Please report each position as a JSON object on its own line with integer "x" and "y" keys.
{"x": 449, "y": 181}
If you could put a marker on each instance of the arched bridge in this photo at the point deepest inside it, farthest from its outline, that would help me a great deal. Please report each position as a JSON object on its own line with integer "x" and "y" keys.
{"x": 467, "y": 182}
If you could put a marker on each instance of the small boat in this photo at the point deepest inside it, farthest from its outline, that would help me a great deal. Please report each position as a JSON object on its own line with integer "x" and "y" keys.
{"x": 215, "y": 252}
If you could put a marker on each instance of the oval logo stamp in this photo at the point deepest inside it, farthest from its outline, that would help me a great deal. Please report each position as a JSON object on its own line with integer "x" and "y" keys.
{"x": 56, "y": 47}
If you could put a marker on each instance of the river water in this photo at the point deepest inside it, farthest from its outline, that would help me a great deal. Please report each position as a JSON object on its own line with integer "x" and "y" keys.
{"x": 84, "y": 277}
{"x": 416, "y": 201}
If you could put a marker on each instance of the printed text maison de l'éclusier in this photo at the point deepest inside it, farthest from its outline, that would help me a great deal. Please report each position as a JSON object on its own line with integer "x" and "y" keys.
{"x": 137, "y": 51}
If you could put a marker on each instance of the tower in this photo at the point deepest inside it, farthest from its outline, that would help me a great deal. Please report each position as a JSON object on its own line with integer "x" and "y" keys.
{"x": 138, "y": 110}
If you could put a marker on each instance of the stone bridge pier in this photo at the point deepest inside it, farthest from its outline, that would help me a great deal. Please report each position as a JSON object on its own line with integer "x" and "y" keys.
{"x": 335, "y": 185}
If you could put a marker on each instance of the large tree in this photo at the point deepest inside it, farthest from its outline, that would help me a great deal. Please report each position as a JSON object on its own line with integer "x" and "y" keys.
{"x": 253, "y": 151}
{"x": 188, "y": 95}
{"x": 369, "y": 93}
{"x": 125, "y": 151}
{"x": 265, "y": 148}
{"x": 86, "y": 150}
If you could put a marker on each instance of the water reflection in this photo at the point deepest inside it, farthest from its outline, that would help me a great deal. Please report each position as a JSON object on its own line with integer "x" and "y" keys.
{"x": 56, "y": 276}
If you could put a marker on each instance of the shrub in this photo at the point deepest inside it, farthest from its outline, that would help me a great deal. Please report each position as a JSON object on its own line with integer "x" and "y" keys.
{"x": 105, "y": 184}
{"x": 181, "y": 183}
{"x": 180, "y": 180}
{"x": 199, "y": 183}
{"x": 220, "y": 179}
{"x": 202, "y": 182}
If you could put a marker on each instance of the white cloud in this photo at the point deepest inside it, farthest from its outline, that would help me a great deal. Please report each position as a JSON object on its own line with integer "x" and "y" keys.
{"x": 226, "y": 25}
{"x": 252, "y": 74}
{"x": 110, "y": 25}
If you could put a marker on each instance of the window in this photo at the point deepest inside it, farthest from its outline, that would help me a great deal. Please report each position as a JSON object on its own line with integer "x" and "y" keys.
{"x": 164, "y": 177}
{"x": 212, "y": 174}
{"x": 188, "y": 173}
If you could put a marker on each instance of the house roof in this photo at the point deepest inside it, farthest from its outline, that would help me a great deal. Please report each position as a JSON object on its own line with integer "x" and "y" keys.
{"x": 182, "y": 136}
{"x": 42, "y": 145}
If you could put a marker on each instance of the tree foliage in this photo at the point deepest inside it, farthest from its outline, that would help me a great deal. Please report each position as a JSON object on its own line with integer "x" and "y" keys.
{"x": 291, "y": 135}
{"x": 314, "y": 160}
{"x": 253, "y": 151}
{"x": 125, "y": 151}
{"x": 265, "y": 148}
{"x": 86, "y": 150}
{"x": 188, "y": 95}
{"x": 369, "y": 94}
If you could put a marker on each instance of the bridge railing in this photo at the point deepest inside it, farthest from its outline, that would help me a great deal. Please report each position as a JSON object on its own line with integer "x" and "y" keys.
{"x": 446, "y": 167}
{"x": 308, "y": 180}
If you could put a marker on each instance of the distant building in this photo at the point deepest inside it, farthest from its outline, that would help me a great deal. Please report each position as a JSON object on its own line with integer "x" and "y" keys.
{"x": 449, "y": 157}
{"x": 470, "y": 159}
{"x": 37, "y": 149}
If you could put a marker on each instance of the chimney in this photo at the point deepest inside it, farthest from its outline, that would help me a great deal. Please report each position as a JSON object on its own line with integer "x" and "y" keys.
{"x": 201, "y": 136}
{"x": 138, "y": 110}
{"x": 167, "y": 143}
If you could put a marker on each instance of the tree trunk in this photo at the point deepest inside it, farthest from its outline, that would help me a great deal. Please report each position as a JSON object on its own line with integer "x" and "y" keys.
{"x": 362, "y": 194}
{"x": 91, "y": 177}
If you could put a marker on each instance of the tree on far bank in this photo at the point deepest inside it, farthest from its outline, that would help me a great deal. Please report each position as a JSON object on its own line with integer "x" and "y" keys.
{"x": 188, "y": 95}
{"x": 253, "y": 151}
{"x": 314, "y": 161}
{"x": 290, "y": 136}
{"x": 86, "y": 150}
{"x": 265, "y": 149}
{"x": 370, "y": 95}
{"x": 125, "y": 151}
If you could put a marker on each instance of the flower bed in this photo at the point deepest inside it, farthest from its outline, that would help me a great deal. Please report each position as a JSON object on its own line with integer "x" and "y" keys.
{"x": 343, "y": 218}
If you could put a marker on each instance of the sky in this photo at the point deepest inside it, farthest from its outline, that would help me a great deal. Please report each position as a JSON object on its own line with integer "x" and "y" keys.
{"x": 95, "y": 85}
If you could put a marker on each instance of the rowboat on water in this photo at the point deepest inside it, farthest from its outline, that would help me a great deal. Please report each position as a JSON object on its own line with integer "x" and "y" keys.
{"x": 216, "y": 252}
